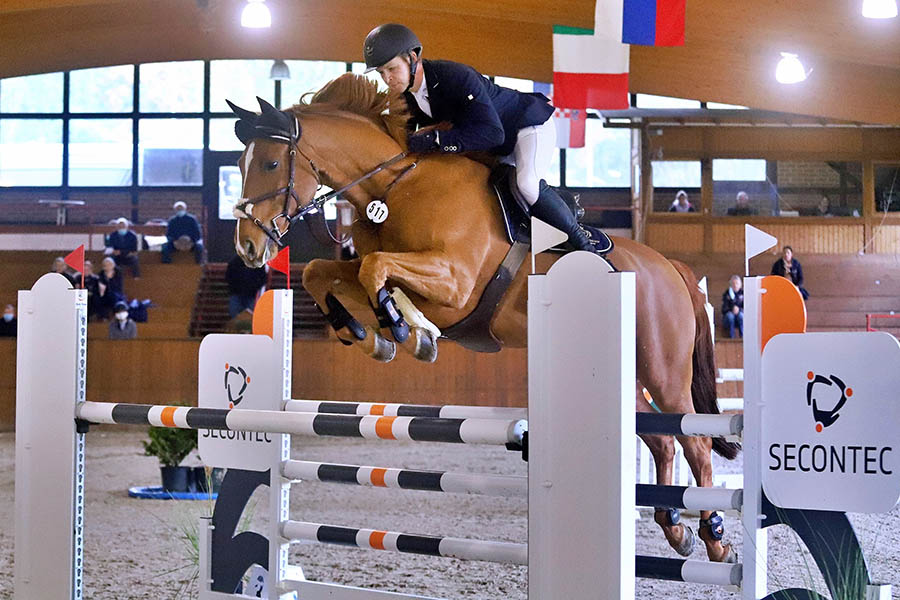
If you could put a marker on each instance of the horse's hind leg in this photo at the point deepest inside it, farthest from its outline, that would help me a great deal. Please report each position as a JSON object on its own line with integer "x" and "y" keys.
{"x": 698, "y": 453}
{"x": 662, "y": 447}
{"x": 326, "y": 281}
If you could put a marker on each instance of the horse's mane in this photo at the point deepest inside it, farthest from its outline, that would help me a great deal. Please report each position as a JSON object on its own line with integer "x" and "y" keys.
{"x": 359, "y": 95}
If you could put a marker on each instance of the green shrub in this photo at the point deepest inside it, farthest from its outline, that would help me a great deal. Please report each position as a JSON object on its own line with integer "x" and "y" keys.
{"x": 170, "y": 445}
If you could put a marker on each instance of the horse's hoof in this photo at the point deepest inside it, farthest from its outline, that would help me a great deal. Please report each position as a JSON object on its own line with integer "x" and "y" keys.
{"x": 731, "y": 556}
{"x": 426, "y": 345}
{"x": 688, "y": 542}
{"x": 384, "y": 349}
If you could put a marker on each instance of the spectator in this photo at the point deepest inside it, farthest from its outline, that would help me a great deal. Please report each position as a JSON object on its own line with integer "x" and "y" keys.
{"x": 244, "y": 285}
{"x": 742, "y": 205}
{"x": 92, "y": 285}
{"x": 122, "y": 327}
{"x": 110, "y": 287}
{"x": 182, "y": 233}
{"x": 122, "y": 245}
{"x": 789, "y": 267}
{"x": 733, "y": 306}
{"x": 681, "y": 203}
{"x": 8, "y": 326}
{"x": 60, "y": 266}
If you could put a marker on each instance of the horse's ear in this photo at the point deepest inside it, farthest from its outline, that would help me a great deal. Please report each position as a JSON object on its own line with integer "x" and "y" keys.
{"x": 241, "y": 113}
{"x": 265, "y": 107}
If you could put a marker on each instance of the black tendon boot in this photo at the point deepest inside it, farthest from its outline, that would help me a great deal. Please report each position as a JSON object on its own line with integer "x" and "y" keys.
{"x": 552, "y": 210}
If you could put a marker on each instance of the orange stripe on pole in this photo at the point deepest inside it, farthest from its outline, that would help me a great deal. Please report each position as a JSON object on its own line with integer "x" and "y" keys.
{"x": 383, "y": 428}
{"x": 167, "y": 416}
{"x": 377, "y": 477}
{"x": 377, "y": 409}
{"x": 376, "y": 539}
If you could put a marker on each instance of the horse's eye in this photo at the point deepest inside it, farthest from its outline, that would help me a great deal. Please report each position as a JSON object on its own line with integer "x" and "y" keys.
{"x": 271, "y": 166}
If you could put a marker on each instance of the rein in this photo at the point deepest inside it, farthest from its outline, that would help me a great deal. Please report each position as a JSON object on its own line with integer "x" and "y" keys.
{"x": 278, "y": 230}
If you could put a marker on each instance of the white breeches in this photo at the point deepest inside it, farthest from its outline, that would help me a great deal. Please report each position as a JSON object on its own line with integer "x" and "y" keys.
{"x": 532, "y": 156}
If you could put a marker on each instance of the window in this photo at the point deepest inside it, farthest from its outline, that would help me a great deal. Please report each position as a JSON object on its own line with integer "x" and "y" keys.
{"x": 222, "y": 137}
{"x": 32, "y": 94}
{"x": 671, "y": 177}
{"x": 604, "y": 161}
{"x": 650, "y": 101}
{"x": 30, "y": 152}
{"x": 720, "y": 106}
{"x": 100, "y": 152}
{"x": 107, "y": 89}
{"x": 240, "y": 81}
{"x": 308, "y": 76}
{"x": 729, "y": 169}
{"x": 887, "y": 188}
{"x": 170, "y": 152}
{"x": 172, "y": 87}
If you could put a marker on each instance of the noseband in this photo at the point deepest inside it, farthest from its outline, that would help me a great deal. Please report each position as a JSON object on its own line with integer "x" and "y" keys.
{"x": 282, "y": 222}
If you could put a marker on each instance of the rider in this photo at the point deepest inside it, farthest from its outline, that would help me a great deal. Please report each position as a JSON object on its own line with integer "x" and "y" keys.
{"x": 484, "y": 117}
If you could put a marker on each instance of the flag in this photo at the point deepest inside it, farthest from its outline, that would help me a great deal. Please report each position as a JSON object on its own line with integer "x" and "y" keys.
{"x": 756, "y": 241}
{"x": 282, "y": 263}
{"x": 75, "y": 259}
{"x": 590, "y": 66}
{"x": 570, "y": 127}
{"x": 570, "y": 124}
{"x": 653, "y": 22}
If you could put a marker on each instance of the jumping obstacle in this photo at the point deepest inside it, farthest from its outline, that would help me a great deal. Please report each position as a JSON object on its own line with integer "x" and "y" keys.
{"x": 581, "y": 536}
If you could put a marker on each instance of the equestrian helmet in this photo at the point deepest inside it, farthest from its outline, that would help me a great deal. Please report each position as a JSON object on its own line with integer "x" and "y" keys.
{"x": 387, "y": 41}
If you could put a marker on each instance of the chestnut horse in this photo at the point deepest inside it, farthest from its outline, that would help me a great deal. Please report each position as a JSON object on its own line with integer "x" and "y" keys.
{"x": 441, "y": 243}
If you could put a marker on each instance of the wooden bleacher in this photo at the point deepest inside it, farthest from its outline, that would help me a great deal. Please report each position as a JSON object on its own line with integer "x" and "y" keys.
{"x": 172, "y": 288}
{"x": 210, "y": 314}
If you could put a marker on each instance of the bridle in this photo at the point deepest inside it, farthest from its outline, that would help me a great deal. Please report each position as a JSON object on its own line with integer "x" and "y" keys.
{"x": 282, "y": 222}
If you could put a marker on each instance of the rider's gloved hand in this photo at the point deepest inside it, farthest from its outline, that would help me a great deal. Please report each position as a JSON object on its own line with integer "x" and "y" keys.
{"x": 424, "y": 141}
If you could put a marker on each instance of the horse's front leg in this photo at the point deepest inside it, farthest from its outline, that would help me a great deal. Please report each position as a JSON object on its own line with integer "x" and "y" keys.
{"x": 431, "y": 275}
{"x": 329, "y": 280}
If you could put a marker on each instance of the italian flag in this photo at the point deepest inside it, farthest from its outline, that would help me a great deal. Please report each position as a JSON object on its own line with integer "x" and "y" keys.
{"x": 590, "y": 66}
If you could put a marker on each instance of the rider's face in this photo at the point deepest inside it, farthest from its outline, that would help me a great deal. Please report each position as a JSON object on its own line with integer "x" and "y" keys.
{"x": 395, "y": 73}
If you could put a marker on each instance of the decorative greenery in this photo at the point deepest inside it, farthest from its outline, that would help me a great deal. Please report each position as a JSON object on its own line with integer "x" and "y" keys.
{"x": 170, "y": 445}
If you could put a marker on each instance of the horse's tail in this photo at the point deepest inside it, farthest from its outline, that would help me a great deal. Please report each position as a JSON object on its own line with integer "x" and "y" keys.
{"x": 703, "y": 382}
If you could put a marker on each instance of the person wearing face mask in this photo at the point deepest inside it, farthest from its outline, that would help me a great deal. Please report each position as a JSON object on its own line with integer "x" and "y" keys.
{"x": 182, "y": 233}
{"x": 122, "y": 245}
{"x": 110, "y": 286}
{"x": 8, "y": 326}
{"x": 122, "y": 327}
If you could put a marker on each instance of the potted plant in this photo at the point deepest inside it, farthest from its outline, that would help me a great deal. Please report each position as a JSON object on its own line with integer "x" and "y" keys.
{"x": 171, "y": 446}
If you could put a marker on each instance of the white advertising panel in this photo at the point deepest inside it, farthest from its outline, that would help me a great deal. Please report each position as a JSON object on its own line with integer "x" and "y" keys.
{"x": 831, "y": 421}
{"x": 239, "y": 372}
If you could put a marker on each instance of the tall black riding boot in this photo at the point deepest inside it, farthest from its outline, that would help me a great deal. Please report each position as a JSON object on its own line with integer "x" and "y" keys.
{"x": 552, "y": 210}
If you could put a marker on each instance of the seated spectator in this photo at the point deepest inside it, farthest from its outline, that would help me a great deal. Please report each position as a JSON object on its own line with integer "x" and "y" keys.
{"x": 182, "y": 233}
{"x": 244, "y": 284}
{"x": 824, "y": 207}
{"x": 110, "y": 286}
{"x": 733, "y": 307}
{"x": 789, "y": 267}
{"x": 9, "y": 325}
{"x": 60, "y": 266}
{"x": 92, "y": 285}
{"x": 681, "y": 203}
{"x": 122, "y": 245}
{"x": 742, "y": 205}
{"x": 122, "y": 327}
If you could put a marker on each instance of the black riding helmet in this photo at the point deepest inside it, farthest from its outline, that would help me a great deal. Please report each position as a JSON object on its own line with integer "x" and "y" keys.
{"x": 387, "y": 41}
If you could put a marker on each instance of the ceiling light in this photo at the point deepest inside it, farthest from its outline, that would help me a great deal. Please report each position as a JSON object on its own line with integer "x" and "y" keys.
{"x": 279, "y": 71}
{"x": 256, "y": 15}
{"x": 879, "y": 9}
{"x": 790, "y": 69}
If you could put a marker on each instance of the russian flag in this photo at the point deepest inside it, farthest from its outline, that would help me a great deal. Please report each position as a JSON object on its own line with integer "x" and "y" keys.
{"x": 653, "y": 22}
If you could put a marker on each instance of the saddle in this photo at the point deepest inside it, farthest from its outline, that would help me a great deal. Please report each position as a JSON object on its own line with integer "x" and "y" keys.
{"x": 474, "y": 331}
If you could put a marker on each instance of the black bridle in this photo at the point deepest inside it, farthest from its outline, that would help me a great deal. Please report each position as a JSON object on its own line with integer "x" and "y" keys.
{"x": 282, "y": 222}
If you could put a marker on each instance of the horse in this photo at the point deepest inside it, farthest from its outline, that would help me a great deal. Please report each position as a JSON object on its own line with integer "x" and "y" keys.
{"x": 440, "y": 243}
